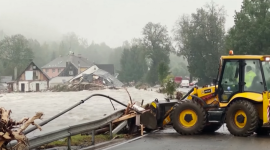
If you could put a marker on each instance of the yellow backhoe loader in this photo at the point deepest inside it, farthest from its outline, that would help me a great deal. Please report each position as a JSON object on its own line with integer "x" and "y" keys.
{"x": 240, "y": 98}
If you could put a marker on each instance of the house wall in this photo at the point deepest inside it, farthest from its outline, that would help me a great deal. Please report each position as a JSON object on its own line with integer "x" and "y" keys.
{"x": 70, "y": 70}
{"x": 43, "y": 85}
{"x": 31, "y": 85}
{"x": 15, "y": 88}
{"x": 53, "y": 72}
{"x": 26, "y": 85}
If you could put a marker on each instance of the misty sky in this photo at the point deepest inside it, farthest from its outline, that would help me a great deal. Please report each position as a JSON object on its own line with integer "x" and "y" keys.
{"x": 109, "y": 21}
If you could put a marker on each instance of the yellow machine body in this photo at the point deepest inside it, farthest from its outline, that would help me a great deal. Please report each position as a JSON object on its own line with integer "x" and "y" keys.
{"x": 210, "y": 108}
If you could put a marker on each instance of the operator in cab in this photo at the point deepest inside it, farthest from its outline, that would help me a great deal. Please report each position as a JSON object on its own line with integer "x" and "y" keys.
{"x": 249, "y": 76}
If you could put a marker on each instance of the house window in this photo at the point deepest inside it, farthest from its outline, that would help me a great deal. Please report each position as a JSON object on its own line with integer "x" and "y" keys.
{"x": 46, "y": 70}
{"x": 53, "y": 70}
{"x": 70, "y": 72}
{"x": 59, "y": 70}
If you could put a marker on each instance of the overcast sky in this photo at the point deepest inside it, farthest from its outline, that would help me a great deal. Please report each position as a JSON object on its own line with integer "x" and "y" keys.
{"x": 109, "y": 21}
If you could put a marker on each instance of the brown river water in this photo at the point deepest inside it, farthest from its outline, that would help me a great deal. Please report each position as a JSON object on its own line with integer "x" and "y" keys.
{"x": 51, "y": 103}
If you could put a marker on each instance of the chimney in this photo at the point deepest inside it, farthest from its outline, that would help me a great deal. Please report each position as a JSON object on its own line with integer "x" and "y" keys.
{"x": 79, "y": 67}
{"x": 15, "y": 73}
{"x": 67, "y": 64}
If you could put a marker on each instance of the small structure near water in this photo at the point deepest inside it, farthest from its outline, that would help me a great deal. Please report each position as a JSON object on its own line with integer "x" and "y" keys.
{"x": 93, "y": 78}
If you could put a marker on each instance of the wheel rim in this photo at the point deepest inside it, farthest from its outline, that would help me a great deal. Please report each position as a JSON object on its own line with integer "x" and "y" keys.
{"x": 240, "y": 119}
{"x": 188, "y": 118}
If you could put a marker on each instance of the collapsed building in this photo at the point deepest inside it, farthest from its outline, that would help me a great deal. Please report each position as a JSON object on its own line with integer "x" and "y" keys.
{"x": 94, "y": 76}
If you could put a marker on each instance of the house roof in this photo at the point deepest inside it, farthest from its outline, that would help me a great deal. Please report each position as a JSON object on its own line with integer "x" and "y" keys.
{"x": 32, "y": 63}
{"x": 107, "y": 67}
{"x": 60, "y": 62}
{"x": 106, "y": 75}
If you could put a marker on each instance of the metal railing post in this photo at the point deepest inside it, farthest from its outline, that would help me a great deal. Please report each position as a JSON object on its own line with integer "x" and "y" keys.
{"x": 69, "y": 143}
{"x": 110, "y": 130}
{"x": 93, "y": 137}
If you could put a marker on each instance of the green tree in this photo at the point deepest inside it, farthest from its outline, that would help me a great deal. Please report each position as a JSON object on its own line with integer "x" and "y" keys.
{"x": 250, "y": 34}
{"x": 133, "y": 65}
{"x": 15, "y": 52}
{"x": 163, "y": 71}
{"x": 200, "y": 39}
{"x": 158, "y": 46}
{"x": 170, "y": 85}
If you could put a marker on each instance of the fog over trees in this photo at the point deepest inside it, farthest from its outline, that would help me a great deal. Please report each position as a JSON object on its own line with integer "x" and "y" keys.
{"x": 198, "y": 40}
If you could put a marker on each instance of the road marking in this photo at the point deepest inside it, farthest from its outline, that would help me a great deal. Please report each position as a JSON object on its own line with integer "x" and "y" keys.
{"x": 130, "y": 140}
{"x": 125, "y": 142}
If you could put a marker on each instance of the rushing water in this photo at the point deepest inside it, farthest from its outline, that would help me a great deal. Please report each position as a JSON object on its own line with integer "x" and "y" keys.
{"x": 51, "y": 103}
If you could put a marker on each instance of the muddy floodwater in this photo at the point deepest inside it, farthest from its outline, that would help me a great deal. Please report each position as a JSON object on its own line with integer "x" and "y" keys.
{"x": 51, "y": 103}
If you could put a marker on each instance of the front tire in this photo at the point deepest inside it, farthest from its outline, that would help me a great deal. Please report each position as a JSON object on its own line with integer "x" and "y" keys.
{"x": 188, "y": 118}
{"x": 242, "y": 118}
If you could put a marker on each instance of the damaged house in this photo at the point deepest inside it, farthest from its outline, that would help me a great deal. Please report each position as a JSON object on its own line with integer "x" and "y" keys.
{"x": 96, "y": 76}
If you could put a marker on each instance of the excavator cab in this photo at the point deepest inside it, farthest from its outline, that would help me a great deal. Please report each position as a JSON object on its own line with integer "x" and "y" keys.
{"x": 239, "y": 98}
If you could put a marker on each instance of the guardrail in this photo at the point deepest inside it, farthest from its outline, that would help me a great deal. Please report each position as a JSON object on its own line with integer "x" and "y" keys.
{"x": 72, "y": 130}
{"x": 67, "y": 132}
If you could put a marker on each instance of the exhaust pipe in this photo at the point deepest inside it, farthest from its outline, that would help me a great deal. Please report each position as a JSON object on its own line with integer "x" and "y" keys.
{"x": 190, "y": 91}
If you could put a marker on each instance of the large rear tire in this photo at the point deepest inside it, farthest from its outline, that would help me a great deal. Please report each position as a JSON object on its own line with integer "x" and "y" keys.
{"x": 242, "y": 118}
{"x": 188, "y": 117}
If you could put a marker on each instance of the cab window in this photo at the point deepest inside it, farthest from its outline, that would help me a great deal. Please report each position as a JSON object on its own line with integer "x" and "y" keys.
{"x": 229, "y": 84}
{"x": 266, "y": 71}
{"x": 253, "y": 76}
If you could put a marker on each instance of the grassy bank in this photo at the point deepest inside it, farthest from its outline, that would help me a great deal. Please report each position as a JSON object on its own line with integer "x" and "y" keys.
{"x": 82, "y": 140}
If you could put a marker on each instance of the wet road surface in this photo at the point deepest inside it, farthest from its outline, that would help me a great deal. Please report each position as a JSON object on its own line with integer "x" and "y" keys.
{"x": 168, "y": 139}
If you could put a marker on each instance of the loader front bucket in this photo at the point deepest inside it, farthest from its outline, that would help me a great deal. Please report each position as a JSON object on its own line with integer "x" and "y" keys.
{"x": 148, "y": 120}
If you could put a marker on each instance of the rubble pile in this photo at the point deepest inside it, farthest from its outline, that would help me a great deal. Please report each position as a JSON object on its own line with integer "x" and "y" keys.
{"x": 90, "y": 80}
{"x": 77, "y": 87}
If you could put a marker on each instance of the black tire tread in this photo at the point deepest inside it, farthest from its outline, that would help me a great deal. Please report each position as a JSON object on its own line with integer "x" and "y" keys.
{"x": 201, "y": 126}
{"x": 254, "y": 118}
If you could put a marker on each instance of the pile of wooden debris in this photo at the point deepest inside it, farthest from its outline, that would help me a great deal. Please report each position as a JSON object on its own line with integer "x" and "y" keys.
{"x": 13, "y": 130}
